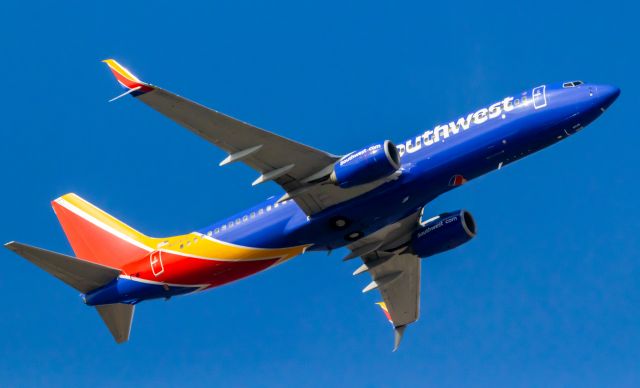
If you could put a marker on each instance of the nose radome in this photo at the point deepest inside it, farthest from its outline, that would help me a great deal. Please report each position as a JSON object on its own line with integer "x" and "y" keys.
{"x": 607, "y": 94}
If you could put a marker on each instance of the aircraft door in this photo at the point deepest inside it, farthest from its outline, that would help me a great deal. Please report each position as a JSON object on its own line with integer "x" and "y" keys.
{"x": 155, "y": 261}
{"x": 539, "y": 97}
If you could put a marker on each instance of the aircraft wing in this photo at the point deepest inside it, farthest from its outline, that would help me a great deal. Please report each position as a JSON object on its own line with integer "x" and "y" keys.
{"x": 398, "y": 280}
{"x": 294, "y": 166}
{"x": 395, "y": 272}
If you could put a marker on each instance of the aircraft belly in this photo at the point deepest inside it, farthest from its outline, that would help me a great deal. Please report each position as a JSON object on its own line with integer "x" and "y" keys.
{"x": 179, "y": 269}
{"x": 180, "y": 275}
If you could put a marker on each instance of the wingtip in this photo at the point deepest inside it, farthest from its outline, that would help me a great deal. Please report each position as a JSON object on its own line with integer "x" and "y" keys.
{"x": 125, "y": 77}
{"x": 113, "y": 64}
{"x": 398, "y": 334}
{"x": 14, "y": 246}
{"x": 111, "y": 61}
{"x": 121, "y": 341}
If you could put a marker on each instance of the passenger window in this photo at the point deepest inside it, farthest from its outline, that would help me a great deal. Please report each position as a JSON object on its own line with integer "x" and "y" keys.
{"x": 217, "y": 231}
{"x": 224, "y": 227}
{"x": 269, "y": 208}
{"x": 253, "y": 214}
{"x": 245, "y": 218}
{"x": 260, "y": 212}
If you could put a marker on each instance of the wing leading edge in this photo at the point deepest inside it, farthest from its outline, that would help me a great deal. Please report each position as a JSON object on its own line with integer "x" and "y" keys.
{"x": 296, "y": 167}
{"x": 398, "y": 280}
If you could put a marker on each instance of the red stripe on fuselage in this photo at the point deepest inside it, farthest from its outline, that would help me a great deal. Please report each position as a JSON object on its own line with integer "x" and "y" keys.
{"x": 172, "y": 268}
{"x": 93, "y": 243}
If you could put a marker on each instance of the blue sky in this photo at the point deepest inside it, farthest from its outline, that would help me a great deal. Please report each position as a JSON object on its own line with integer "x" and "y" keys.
{"x": 547, "y": 294}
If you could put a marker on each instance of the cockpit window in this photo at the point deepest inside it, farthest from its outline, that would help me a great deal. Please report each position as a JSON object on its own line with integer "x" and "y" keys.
{"x": 572, "y": 84}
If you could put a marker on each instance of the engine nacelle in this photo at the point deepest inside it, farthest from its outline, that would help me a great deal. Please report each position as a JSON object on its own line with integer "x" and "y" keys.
{"x": 442, "y": 233}
{"x": 367, "y": 165}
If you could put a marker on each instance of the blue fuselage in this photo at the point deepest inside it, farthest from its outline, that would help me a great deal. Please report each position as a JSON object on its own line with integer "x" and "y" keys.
{"x": 433, "y": 162}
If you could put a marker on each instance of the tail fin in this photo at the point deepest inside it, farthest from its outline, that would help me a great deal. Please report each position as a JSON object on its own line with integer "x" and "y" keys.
{"x": 103, "y": 246}
{"x": 96, "y": 236}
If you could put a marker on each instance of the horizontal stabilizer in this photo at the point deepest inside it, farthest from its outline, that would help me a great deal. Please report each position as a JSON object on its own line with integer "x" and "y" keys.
{"x": 82, "y": 275}
{"x": 118, "y": 318}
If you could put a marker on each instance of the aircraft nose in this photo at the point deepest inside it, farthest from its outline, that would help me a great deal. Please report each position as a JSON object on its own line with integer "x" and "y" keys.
{"x": 607, "y": 94}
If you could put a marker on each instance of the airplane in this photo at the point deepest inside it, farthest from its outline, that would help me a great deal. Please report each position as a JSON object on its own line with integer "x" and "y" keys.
{"x": 370, "y": 201}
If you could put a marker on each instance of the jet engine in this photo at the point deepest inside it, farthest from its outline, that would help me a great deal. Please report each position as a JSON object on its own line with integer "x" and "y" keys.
{"x": 367, "y": 165}
{"x": 444, "y": 232}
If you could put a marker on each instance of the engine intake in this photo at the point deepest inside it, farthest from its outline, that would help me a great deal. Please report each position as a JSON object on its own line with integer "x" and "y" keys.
{"x": 367, "y": 165}
{"x": 442, "y": 233}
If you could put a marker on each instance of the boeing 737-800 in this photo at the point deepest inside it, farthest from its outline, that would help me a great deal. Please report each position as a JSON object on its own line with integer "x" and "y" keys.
{"x": 369, "y": 201}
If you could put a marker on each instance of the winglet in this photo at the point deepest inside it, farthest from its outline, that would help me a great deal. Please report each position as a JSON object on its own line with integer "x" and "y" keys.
{"x": 398, "y": 333}
{"x": 127, "y": 79}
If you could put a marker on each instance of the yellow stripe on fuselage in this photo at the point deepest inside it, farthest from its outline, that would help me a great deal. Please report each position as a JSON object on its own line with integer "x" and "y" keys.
{"x": 191, "y": 244}
{"x": 197, "y": 245}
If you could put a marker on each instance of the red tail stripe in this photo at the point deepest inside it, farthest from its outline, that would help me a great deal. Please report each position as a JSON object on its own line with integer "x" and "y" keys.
{"x": 92, "y": 243}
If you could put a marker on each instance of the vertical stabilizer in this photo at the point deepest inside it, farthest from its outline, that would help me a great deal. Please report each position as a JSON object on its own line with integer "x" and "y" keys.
{"x": 98, "y": 237}
{"x": 118, "y": 318}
